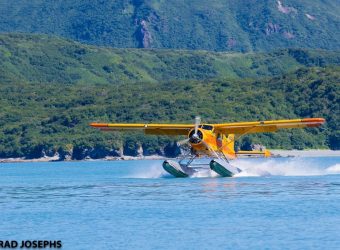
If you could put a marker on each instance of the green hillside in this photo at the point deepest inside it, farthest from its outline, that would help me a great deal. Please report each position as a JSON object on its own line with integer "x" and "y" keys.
{"x": 33, "y": 58}
{"x": 51, "y": 89}
{"x": 45, "y": 117}
{"x": 210, "y": 25}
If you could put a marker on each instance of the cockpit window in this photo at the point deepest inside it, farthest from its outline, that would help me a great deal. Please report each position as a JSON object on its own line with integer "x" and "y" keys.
{"x": 207, "y": 127}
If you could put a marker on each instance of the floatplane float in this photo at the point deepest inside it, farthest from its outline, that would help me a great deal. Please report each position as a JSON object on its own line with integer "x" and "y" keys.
{"x": 215, "y": 141}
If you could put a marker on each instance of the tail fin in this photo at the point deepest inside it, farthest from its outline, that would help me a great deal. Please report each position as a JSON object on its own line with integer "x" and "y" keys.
{"x": 267, "y": 153}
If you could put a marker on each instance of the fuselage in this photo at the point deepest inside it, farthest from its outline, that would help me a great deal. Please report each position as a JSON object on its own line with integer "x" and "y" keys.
{"x": 211, "y": 141}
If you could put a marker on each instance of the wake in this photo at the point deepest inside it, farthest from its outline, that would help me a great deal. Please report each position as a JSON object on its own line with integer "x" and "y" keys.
{"x": 154, "y": 170}
{"x": 286, "y": 167}
{"x": 297, "y": 166}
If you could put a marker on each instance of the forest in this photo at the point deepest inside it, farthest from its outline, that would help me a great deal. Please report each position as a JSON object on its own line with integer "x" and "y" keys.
{"x": 52, "y": 88}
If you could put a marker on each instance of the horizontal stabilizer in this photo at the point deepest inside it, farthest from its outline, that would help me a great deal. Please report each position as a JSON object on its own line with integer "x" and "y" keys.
{"x": 254, "y": 153}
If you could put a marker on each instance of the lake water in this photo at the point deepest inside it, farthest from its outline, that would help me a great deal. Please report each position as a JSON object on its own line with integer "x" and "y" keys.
{"x": 289, "y": 203}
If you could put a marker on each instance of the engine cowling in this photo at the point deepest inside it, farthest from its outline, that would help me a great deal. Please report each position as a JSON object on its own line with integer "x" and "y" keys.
{"x": 195, "y": 139}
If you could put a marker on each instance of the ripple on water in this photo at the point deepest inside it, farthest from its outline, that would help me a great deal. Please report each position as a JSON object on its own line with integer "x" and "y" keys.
{"x": 107, "y": 203}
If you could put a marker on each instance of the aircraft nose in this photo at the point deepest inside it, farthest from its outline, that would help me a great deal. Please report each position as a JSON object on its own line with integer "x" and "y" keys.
{"x": 195, "y": 138}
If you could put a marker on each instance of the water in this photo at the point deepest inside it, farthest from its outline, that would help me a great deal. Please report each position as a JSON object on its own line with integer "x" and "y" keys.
{"x": 290, "y": 203}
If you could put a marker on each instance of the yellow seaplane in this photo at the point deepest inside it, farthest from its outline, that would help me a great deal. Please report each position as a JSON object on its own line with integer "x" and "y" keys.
{"x": 215, "y": 141}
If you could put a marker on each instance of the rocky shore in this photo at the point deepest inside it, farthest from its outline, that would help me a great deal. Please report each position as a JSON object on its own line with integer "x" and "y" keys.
{"x": 275, "y": 153}
{"x": 305, "y": 153}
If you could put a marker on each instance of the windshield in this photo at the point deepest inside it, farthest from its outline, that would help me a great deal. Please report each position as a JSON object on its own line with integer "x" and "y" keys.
{"x": 207, "y": 127}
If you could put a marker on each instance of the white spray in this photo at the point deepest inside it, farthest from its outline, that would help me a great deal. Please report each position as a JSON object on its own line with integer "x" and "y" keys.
{"x": 297, "y": 166}
{"x": 285, "y": 167}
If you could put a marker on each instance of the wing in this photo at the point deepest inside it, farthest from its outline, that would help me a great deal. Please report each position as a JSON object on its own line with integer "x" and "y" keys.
{"x": 226, "y": 128}
{"x": 266, "y": 126}
{"x": 154, "y": 129}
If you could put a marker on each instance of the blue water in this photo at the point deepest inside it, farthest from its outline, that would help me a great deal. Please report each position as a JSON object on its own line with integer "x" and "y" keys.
{"x": 289, "y": 203}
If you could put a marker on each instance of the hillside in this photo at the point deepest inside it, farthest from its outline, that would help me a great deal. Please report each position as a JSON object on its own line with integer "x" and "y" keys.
{"x": 45, "y": 118}
{"x": 215, "y": 25}
{"x": 45, "y": 59}
{"x": 52, "y": 88}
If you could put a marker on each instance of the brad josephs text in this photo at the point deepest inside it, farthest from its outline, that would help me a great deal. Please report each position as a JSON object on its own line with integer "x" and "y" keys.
{"x": 35, "y": 244}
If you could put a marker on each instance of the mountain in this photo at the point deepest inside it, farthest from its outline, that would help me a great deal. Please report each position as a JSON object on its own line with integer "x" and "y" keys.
{"x": 51, "y": 89}
{"x": 215, "y": 25}
{"x": 42, "y": 58}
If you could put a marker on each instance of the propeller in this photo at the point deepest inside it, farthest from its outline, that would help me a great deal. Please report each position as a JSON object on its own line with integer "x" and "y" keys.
{"x": 197, "y": 123}
{"x": 182, "y": 142}
{"x": 194, "y": 136}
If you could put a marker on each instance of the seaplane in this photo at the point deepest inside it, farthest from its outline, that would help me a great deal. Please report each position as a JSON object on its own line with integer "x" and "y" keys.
{"x": 213, "y": 141}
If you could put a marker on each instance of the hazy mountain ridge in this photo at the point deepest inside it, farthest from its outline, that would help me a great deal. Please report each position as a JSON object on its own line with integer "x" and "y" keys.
{"x": 213, "y": 25}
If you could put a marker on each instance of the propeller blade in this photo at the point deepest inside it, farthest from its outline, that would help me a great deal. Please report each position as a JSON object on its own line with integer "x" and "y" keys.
{"x": 195, "y": 135}
{"x": 182, "y": 142}
{"x": 197, "y": 123}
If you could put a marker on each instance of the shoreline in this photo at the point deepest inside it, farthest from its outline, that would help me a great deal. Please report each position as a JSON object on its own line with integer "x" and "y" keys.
{"x": 107, "y": 158}
{"x": 305, "y": 153}
{"x": 275, "y": 153}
